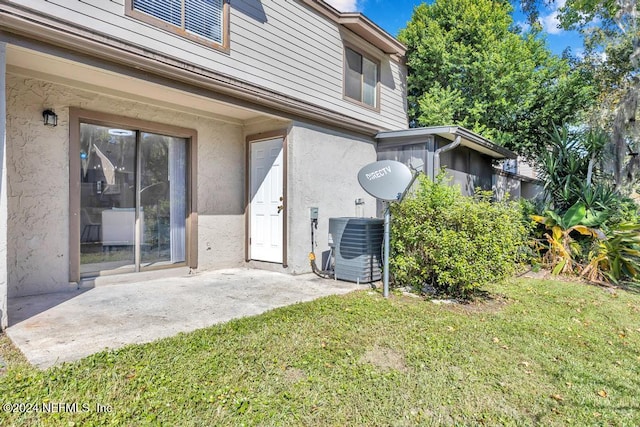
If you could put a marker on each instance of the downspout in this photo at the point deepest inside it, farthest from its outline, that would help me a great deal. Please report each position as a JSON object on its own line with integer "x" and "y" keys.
{"x": 436, "y": 156}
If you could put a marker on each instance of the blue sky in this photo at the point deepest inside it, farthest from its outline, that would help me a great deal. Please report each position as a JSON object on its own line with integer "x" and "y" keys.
{"x": 392, "y": 15}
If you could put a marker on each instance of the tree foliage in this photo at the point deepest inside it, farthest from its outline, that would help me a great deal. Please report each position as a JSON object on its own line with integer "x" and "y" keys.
{"x": 470, "y": 66}
{"x": 571, "y": 171}
{"x": 611, "y": 57}
{"x": 590, "y": 228}
{"x": 612, "y": 53}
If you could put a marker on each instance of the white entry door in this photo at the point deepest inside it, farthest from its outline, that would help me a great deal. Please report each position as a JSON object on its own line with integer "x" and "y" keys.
{"x": 267, "y": 200}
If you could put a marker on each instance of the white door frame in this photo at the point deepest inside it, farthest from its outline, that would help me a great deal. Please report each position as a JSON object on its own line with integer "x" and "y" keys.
{"x": 257, "y": 138}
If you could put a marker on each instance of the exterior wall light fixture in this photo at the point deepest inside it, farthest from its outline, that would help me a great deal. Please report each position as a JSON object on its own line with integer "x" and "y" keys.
{"x": 50, "y": 118}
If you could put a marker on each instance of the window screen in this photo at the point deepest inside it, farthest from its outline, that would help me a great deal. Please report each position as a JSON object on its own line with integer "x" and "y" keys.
{"x": 369, "y": 81}
{"x": 361, "y": 78}
{"x": 167, "y": 10}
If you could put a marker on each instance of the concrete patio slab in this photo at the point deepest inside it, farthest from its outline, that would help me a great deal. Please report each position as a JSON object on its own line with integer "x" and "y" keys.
{"x": 63, "y": 327}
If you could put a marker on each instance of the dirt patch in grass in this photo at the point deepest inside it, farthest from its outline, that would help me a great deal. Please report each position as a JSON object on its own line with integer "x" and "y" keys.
{"x": 385, "y": 359}
{"x": 540, "y": 274}
{"x": 488, "y": 304}
{"x": 482, "y": 304}
{"x": 545, "y": 274}
{"x": 294, "y": 375}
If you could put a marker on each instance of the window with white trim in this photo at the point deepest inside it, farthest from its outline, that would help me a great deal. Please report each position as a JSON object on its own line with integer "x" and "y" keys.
{"x": 360, "y": 78}
{"x": 202, "y": 20}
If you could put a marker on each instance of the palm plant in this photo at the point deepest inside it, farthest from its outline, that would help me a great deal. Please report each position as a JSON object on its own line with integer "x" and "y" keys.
{"x": 617, "y": 257}
{"x": 560, "y": 246}
{"x": 583, "y": 201}
{"x": 570, "y": 171}
{"x": 562, "y": 168}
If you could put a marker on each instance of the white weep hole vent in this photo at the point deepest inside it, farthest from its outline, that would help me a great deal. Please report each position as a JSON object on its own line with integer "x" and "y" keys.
{"x": 357, "y": 247}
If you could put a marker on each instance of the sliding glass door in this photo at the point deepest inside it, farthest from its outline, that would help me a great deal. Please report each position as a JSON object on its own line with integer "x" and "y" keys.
{"x": 162, "y": 198}
{"x": 133, "y": 201}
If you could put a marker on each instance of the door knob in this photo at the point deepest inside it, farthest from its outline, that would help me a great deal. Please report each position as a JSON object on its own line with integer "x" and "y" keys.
{"x": 280, "y": 208}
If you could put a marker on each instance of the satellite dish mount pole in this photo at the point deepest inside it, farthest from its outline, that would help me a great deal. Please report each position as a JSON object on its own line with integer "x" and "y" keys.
{"x": 388, "y": 181}
{"x": 387, "y": 233}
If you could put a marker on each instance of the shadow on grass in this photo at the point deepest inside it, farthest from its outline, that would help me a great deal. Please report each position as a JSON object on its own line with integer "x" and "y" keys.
{"x": 631, "y": 287}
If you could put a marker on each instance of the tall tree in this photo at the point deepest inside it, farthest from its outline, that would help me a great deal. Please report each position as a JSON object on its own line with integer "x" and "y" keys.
{"x": 611, "y": 32}
{"x": 470, "y": 65}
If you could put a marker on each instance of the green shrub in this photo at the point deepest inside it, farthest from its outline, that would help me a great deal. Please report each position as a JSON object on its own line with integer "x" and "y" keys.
{"x": 452, "y": 243}
{"x": 617, "y": 257}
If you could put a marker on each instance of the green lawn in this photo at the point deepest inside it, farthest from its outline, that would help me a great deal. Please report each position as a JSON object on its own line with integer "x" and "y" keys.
{"x": 538, "y": 353}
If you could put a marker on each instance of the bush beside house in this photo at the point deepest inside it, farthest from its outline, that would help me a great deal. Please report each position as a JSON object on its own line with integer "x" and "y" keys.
{"x": 447, "y": 243}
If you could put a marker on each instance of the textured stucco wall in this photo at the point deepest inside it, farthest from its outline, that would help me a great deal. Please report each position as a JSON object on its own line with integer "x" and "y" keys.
{"x": 323, "y": 168}
{"x": 4, "y": 318}
{"x": 37, "y": 160}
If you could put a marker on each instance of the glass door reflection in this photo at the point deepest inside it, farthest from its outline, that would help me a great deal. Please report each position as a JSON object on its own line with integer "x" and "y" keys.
{"x": 163, "y": 177}
{"x": 133, "y": 200}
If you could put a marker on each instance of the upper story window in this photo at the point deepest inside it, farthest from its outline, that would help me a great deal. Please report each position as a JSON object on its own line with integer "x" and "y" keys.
{"x": 361, "y": 76}
{"x": 205, "y": 21}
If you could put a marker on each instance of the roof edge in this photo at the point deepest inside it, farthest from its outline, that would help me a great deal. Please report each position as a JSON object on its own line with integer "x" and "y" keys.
{"x": 464, "y": 133}
{"x": 360, "y": 25}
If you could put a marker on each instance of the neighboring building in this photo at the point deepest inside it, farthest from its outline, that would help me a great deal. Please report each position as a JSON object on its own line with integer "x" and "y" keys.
{"x": 193, "y": 134}
{"x": 469, "y": 159}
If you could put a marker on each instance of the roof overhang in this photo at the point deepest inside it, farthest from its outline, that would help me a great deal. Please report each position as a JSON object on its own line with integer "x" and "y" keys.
{"x": 365, "y": 28}
{"x": 360, "y": 25}
{"x": 468, "y": 139}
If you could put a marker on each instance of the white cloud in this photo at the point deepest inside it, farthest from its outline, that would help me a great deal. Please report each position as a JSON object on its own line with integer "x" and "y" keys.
{"x": 524, "y": 25}
{"x": 578, "y": 53}
{"x": 551, "y": 23}
{"x": 345, "y": 5}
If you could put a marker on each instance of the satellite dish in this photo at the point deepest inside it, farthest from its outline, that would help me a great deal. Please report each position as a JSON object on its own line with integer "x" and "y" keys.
{"x": 385, "y": 180}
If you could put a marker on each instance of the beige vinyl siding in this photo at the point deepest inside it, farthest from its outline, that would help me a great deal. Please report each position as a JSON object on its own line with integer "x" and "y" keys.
{"x": 393, "y": 105}
{"x": 295, "y": 51}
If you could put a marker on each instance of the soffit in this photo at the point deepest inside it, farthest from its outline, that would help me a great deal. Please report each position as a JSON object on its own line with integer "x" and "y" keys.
{"x": 39, "y": 65}
{"x": 363, "y": 27}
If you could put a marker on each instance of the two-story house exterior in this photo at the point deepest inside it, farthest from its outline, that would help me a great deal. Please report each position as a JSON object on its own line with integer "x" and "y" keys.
{"x": 188, "y": 133}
